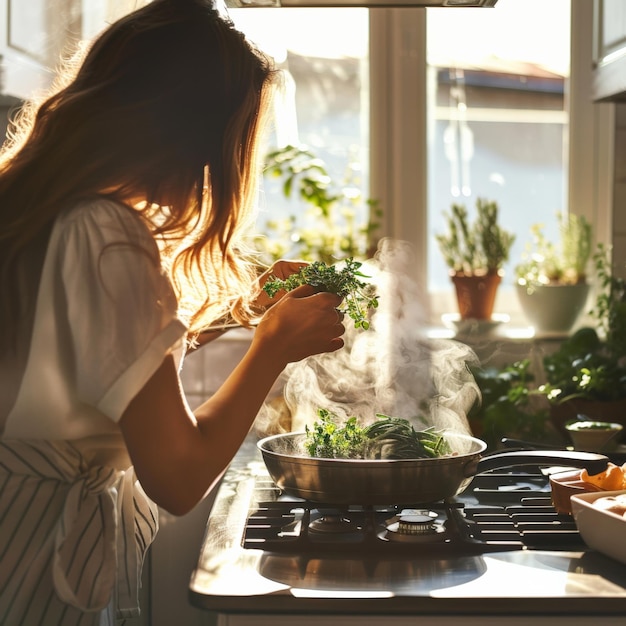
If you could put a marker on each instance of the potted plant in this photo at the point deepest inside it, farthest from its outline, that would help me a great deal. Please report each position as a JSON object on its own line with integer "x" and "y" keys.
{"x": 475, "y": 253}
{"x": 552, "y": 284}
{"x": 511, "y": 406}
{"x": 331, "y": 227}
{"x": 584, "y": 379}
{"x": 586, "y": 376}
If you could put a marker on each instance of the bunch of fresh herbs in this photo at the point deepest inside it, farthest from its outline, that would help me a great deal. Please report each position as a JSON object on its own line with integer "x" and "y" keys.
{"x": 358, "y": 296}
{"x": 386, "y": 438}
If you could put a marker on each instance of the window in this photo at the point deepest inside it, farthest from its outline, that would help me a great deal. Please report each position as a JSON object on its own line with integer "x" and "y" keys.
{"x": 552, "y": 118}
{"x": 322, "y": 106}
{"x": 460, "y": 104}
{"x": 497, "y": 118}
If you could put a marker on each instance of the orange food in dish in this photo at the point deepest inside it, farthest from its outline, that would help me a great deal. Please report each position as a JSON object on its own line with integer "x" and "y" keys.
{"x": 612, "y": 478}
{"x": 615, "y": 504}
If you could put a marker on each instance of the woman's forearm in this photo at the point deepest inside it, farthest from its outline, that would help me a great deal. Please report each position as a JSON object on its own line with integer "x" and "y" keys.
{"x": 226, "y": 417}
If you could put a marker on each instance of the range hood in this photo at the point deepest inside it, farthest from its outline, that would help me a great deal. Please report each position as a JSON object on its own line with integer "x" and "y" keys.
{"x": 238, "y": 4}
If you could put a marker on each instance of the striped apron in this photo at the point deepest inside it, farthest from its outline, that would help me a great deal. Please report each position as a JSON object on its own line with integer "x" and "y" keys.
{"x": 73, "y": 536}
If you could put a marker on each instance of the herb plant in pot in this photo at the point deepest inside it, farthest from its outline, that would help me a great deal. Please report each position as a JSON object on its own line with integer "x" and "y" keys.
{"x": 552, "y": 284}
{"x": 475, "y": 253}
{"x": 586, "y": 376}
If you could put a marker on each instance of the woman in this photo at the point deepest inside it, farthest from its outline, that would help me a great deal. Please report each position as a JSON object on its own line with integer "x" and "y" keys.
{"x": 125, "y": 197}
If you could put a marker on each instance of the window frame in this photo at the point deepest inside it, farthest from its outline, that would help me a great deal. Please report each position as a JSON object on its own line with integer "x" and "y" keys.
{"x": 398, "y": 140}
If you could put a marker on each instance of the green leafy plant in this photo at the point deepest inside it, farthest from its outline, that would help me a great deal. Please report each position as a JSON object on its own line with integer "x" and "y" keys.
{"x": 565, "y": 264}
{"x": 591, "y": 364}
{"x": 512, "y": 405}
{"x": 358, "y": 296}
{"x": 588, "y": 366}
{"x": 387, "y": 437}
{"x": 478, "y": 247}
{"x": 330, "y": 229}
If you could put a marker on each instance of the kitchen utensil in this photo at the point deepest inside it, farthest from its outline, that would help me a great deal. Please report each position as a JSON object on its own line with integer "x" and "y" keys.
{"x": 362, "y": 481}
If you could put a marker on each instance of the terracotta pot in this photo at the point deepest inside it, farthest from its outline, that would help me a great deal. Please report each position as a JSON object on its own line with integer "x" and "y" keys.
{"x": 476, "y": 295}
{"x": 597, "y": 410}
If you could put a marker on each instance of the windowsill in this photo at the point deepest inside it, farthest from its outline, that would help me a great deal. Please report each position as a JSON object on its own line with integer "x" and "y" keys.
{"x": 504, "y": 345}
{"x": 506, "y": 332}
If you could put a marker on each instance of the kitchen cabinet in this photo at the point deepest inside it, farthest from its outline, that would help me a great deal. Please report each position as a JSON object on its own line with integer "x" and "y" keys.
{"x": 32, "y": 37}
{"x": 35, "y": 34}
{"x": 609, "y": 80}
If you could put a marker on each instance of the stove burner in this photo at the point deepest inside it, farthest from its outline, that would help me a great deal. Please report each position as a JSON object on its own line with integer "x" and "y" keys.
{"x": 413, "y": 525}
{"x": 333, "y": 522}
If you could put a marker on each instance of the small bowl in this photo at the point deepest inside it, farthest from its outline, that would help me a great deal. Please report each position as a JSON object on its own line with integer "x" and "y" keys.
{"x": 592, "y": 436}
{"x": 564, "y": 485}
{"x": 601, "y": 529}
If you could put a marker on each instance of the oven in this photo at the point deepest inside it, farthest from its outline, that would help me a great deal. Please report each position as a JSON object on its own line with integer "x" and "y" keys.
{"x": 497, "y": 550}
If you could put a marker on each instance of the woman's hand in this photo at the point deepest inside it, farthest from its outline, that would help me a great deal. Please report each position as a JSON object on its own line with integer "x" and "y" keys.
{"x": 281, "y": 269}
{"x": 302, "y": 323}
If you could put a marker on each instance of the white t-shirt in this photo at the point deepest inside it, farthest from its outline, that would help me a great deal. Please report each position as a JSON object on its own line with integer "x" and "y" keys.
{"x": 106, "y": 317}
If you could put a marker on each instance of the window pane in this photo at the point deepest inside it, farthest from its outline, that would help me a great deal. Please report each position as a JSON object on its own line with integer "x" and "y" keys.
{"x": 497, "y": 117}
{"x": 324, "y": 106}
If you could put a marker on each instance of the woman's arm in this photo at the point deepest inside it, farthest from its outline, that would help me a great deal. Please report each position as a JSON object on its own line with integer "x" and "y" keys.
{"x": 178, "y": 455}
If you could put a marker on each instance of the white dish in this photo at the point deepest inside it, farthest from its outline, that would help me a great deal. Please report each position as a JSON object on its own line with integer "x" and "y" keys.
{"x": 473, "y": 326}
{"x": 600, "y": 529}
{"x": 593, "y": 435}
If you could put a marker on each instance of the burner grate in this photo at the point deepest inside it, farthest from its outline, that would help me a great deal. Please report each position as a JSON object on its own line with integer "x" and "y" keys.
{"x": 535, "y": 526}
{"x": 501, "y": 512}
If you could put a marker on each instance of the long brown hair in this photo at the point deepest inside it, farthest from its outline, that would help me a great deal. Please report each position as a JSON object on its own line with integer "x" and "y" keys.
{"x": 165, "y": 106}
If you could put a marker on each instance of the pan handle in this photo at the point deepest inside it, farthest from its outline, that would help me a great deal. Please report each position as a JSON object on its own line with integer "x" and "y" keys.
{"x": 592, "y": 462}
{"x": 522, "y": 444}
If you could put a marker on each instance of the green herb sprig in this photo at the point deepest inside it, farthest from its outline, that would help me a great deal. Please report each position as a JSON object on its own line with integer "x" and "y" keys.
{"x": 330, "y": 441}
{"x": 358, "y": 296}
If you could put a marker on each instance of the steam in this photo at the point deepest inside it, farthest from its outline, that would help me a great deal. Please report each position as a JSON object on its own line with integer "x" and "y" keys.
{"x": 392, "y": 368}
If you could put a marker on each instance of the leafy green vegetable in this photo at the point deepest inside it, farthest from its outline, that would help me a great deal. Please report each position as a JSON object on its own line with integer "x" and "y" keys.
{"x": 358, "y": 296}
{"x": 329, "y": 440}
{"x": 386, "y": 438}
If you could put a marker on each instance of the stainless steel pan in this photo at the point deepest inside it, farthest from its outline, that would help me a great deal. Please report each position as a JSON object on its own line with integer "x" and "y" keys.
{"x": 414, "y": 481}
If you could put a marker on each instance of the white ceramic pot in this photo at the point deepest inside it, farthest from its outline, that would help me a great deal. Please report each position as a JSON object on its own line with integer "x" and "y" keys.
{"x": 592, "y": 436}
{"x": 553, "y": 309}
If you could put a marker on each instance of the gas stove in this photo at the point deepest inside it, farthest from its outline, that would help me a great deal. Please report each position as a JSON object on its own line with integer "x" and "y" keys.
{"x": 504, "y": 512}
{"x": 484, "y": 553}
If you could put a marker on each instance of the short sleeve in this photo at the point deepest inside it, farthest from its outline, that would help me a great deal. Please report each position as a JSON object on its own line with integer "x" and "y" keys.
{"x": 121, "y": 308}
